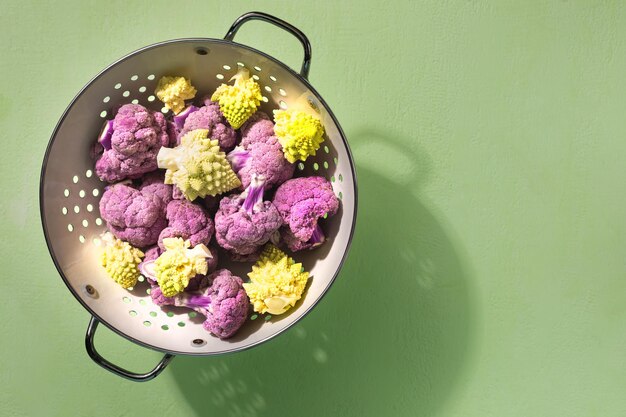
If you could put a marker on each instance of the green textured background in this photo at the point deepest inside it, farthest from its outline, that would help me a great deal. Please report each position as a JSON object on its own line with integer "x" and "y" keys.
{"x": 487, "y": 275}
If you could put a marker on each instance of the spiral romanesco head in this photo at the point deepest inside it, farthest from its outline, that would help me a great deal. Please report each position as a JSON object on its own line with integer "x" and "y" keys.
{"x": 276, "y": 282}
{"x": 299, "y": 133}
{"x": 197, "y": 166}
{"x": 178, "y": 264}
{"x": 173, "y": 91}
{"x": 239, "y": 101}
{"x": 120, "y": 261}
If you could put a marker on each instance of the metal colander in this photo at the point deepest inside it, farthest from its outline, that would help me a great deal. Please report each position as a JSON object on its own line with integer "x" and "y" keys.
{"x": 70, "y": 193}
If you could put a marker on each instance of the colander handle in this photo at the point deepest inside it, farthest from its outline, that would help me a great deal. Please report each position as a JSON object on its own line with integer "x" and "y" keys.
{"x": 91, "y": 350}
{"x": 306, "y": 63}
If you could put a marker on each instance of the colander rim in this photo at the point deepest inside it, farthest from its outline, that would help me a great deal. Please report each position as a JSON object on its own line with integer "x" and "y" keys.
{"x": 44, "y": 222}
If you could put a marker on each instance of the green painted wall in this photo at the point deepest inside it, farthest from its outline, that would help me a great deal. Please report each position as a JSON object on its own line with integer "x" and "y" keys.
{"x": 487, "y": 275}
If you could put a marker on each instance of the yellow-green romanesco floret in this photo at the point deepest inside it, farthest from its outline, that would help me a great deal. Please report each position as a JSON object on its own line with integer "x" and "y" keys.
{"x": 276, "y": 282}
{"x": 239, "y": 101}
{"x": 197, "y": 166}
{"x": 120, "y": 260}
{"x": 173, "y": 91}
{"x": 178, "y": 264}
{"x": 299, "y": 133}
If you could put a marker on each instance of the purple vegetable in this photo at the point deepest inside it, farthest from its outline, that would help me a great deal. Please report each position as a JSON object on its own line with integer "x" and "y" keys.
{"x": 106, "y": 134}
{"x": 238, "y": 158}
{"x": 224, "y": 303}
{"x": 179, "y": 119}
{"x": 138, "y": 134}
{"x": 301, "y": 202}
{"x": 210, "y": 117}
{"x": 245, "y": 222}
{"x": 188, "y": 221}
{"x": 136, "y": 216}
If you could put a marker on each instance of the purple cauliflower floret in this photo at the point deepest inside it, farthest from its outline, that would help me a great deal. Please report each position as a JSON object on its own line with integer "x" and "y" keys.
{"x": 153, "y": 183}
{"x": 210, "y": 117}
{"x": 261, "y": 159}
{"x": 258, "y": 129}
{"x": 188, "y": 221}
{"x": 244, "y": 221}
{"x": 136, "y": 216}
{"x": 228, "y": 304}
{"x": 224, "y": 303}
{"x": 138, "y": 134}
{"x": 301, "y": 202}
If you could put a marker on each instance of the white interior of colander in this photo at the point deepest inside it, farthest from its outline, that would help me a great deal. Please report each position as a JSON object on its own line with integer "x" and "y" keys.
{"x": 71, "y": 192}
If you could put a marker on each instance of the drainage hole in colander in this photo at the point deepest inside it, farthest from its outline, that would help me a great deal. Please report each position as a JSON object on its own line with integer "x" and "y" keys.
{"x": 142, "y": 302}
{"x": 332, "y": 179}
{"x": 70, "y": 228}
{"x": 153, "y": 314}
{"x": 118, "y": 86}
{"x": 81, "y": 239}
{"x": 282, "y": 105}
{"x": 132, "y": 313}
{"x": 340, "y": 177}
{"x": 257, "y": 68}
{"x": 219, "y": 76}
{"x": 202, "y": 51}
{"x": 226, "y": 67}
{"x": 142, "y": 89}
{"x": 126, "y": 299}
{"x": 96, "y": 241}
{"x": 300, "y": 166}
{"x": 76, "y": 209}
{"x": 126, "y": 93}
{"x": 240, "y": 64}
{"x": 99, "y": 221}
{"x": 255, "y": 77}
{"x": 81, "y": 193}
{"x": 165, "y": 327}
{"x": 90, "y": 207}
{"x": 147, "y": 323}
{"x": 268, "y": 88}
{"x": 335, "y": 160}
{"x": 316, "y": 166}
{"x": 164, "y": 110}
{"x": 95, "y": 192}
{"x": 340, "y": 195}
{"x": 198, "y": 342}
{"x": 141, "y": 278}
{"x": 272, "y": 78}
{"x": 106, "y": 99}
{"x": 265, "y": 99}
{"x": 181, "y": 324}
{"x": 75, "y": 179}
{"x": 268, "y": 317}
{"x": 192, "y": 314}
{"x": 134, "y": 77}
{"x": 254, "y": 317}
{"x": 282, "y": 92}
{"x": 170, "y": 314}
{"x": 326, "y": 149}
{"x": 85, "y": 223}
{"x": 151, "y": 98}
{"x": 148, "y": 291}
{"x": 88, "y": 173}
{"x": 135, "y": 101}
{"x": 325, "y": 165}
{"x": 151, "y": 77}
{"x": 66, "y": 192}
{"x": 64, "y": 210}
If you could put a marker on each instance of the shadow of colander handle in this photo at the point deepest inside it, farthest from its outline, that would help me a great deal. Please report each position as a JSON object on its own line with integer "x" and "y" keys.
{"x": 306, "y": 63}
{"x": 91, "y": 350}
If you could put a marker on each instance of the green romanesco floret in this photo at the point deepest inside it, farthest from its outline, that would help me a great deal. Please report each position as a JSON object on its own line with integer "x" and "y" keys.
{"x": 197, "y": 166}
{"x": 276, "y": 282}
{"x": 299, "y": 133}
{"x": 178, "y": 264}
{"x": 173, "y": 91}
{"x": 239, "y": 101}
{"x": 120, "y": 260}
